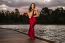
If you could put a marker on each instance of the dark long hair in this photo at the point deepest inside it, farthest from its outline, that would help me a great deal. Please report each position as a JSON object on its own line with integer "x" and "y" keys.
{"x": 30, "y": 8}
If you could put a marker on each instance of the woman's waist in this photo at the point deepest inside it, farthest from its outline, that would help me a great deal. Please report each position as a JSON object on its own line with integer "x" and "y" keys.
{"x": 33, "y": 17}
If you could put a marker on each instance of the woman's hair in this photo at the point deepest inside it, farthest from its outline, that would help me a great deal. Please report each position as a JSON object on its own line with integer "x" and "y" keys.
{"x": 30, "y": 8}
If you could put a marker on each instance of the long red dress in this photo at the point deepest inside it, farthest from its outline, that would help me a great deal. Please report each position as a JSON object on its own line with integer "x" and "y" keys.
{"x": 32, "y": 21}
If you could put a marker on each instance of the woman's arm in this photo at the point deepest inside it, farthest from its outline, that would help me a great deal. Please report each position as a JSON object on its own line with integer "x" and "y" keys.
{"x": 37, "y": 13}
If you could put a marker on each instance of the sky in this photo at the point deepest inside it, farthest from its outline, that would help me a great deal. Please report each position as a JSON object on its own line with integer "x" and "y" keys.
{"x": 23, "y": 5}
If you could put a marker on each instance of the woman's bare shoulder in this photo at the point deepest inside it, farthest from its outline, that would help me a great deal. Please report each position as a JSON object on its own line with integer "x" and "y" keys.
{"x": 27, "y": 12}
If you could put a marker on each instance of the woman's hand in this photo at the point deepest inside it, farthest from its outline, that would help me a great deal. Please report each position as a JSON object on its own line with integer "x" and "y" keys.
{"x": 37, "y": 13}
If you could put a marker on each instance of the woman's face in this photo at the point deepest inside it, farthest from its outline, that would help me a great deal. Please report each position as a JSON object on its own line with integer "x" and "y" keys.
{"x": 33, "y": 6}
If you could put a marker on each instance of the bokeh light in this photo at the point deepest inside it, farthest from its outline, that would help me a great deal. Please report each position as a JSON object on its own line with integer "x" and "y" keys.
{"x": 46, "y": 1}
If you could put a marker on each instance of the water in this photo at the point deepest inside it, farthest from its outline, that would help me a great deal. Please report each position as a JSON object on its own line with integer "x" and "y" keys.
{"x": 50, "y": 32}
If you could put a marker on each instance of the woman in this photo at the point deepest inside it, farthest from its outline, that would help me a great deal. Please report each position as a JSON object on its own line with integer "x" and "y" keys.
{"x": 32, "y": 14}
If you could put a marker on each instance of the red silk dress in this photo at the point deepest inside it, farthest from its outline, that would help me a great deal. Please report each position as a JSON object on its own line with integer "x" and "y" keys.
{"x": 32, "y": 21}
